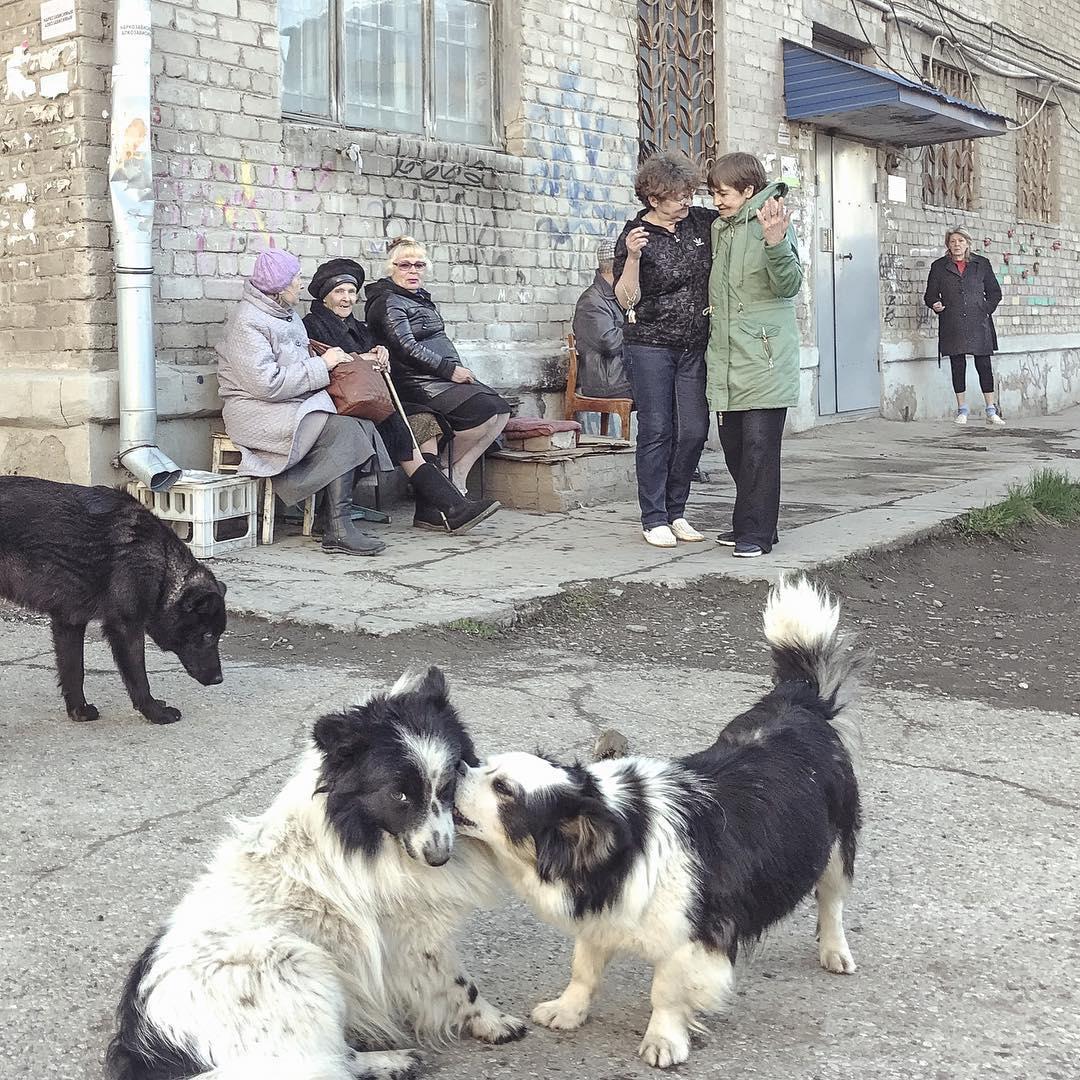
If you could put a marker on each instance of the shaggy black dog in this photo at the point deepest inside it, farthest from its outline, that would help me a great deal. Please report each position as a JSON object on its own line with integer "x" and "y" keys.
{"x": 80, "y": 554}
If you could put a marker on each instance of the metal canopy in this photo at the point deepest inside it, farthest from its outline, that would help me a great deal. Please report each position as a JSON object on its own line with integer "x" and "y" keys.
{"x": 846, "y": 98}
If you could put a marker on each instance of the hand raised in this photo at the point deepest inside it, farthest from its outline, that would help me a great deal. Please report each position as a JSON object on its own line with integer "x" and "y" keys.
{"x": 774, "y": 219}
{"x": 636, "y": 240}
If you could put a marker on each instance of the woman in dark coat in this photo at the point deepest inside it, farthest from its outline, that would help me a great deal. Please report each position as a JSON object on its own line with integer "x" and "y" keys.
{"x": 439, "y": 505}
{"x": 425, "y": 366}
{"x": 964, "y": 293}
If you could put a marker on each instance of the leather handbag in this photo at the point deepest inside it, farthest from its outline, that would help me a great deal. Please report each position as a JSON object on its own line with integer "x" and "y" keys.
{"x": 356, "y": 388}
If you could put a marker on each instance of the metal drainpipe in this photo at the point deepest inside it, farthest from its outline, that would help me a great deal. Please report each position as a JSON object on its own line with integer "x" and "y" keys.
{"x": 131, "y": 186}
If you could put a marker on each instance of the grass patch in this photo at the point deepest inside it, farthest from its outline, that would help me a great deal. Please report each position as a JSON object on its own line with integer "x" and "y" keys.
{"x": 474, "y": 628}
{"x": 1048, "y": 498}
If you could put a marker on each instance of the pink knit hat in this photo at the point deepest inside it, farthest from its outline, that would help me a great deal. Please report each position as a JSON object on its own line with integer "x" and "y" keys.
{"x": 274, "y": 269}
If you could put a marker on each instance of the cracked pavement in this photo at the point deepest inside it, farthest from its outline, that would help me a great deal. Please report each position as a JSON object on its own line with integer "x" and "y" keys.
{"x": 848, "y": 487}
{"x": 962, "y": 918}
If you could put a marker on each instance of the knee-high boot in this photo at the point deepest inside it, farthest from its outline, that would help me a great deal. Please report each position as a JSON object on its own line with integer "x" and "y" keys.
{"x": 441, "y": 507}
{"x": 340, "y": 534}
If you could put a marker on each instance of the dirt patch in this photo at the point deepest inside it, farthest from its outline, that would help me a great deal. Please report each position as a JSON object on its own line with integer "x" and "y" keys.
{"x": 991, "y": 620}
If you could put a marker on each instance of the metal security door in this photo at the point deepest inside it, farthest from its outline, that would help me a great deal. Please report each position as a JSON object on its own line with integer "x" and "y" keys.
{"x": 847, "y": 279}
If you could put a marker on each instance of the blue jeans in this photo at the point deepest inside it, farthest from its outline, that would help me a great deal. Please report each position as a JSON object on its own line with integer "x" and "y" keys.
{"x": 673, "y": 422}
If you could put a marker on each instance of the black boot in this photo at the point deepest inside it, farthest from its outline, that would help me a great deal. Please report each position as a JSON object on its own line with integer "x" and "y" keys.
{"x": 441, "y": 507}
{"x": 339, "y": 532}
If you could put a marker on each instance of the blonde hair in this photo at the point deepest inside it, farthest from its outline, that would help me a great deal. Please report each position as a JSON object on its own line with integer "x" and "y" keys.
{"x": 957, "y": 231}
{"x": 403, "y": 245}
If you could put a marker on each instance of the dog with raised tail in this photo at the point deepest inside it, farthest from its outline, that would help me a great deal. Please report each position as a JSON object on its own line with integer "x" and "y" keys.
{"x": 682, "y": 862}
{"x": 319, "y": 942}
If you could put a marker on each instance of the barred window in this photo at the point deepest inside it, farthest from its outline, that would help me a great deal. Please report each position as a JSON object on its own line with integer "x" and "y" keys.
{"x": 949, "y": 168}
{"x": 676, "y": 77}
{"x": 1036, "y": 160}
{"x": 830, "y": 41}
{"x": 421, "y": 67}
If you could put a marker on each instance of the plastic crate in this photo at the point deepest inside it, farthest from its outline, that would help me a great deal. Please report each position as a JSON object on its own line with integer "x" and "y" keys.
{"x": 211, "y": 512}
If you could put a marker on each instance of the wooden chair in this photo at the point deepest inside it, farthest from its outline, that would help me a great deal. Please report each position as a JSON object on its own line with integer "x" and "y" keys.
{"x": 225, "y": 458}
{"x": 606, "y": 407}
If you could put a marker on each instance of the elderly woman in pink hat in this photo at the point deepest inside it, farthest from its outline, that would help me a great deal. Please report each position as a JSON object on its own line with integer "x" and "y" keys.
{"x": 277, "y": 410}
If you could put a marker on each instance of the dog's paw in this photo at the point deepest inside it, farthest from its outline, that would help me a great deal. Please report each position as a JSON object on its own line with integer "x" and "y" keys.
{"x": 160, "y": 713}
{"x": 497, "y": 1028}
{"x": 837, "y": 960}
{"x": 83, "y": 712}
{"x": 385, "y": 1064}
{"x": 560, "y": 1015}
{"x": 663, "y": 1051}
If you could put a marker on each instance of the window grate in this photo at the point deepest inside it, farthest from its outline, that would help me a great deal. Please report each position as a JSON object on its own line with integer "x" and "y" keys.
{"x": 1036, "y": 162}
{"x": 677, "y": 95}
{"x": 949, "y": 168}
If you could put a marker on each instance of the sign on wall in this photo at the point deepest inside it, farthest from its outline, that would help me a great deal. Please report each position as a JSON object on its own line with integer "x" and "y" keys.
{"x": 57, "y": 19}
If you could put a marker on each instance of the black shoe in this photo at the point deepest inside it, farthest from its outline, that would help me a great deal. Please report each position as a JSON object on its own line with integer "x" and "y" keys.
{"x": 340, "y": 534}
{"x": 747, "y": 551}
{"x": 442, "y": 508}
{"x": 728, "y": 538}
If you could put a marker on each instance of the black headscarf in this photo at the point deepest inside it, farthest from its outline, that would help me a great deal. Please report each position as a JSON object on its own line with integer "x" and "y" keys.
{"x": 321, "y": 323}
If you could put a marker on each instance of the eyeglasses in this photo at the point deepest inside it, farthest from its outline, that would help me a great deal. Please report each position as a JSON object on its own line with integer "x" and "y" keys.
{"x": 420, "y": 264}
{"x": 685, "y": 200}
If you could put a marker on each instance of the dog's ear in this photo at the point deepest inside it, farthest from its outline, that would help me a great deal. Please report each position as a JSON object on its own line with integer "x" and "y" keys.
{"x": 338, "y": 732}
{"x": 585, "y": 835}
{"x": 200, "y": 598}
{"x": 220, "y": 586}
{"x": 468, "y": 751}
{"x": 434, "y": 686}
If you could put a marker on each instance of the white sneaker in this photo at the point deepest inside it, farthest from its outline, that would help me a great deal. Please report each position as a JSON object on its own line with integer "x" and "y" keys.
{"x": 994, "y": 420}
{"x": 686, "y": 532}
{"x": 960, "y": 418}
{"x": 660, "y": 536}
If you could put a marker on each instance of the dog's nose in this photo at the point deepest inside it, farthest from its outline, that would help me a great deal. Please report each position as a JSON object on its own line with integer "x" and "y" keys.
{"x": 438, "y": 852}
{"x": 215, "y": 679}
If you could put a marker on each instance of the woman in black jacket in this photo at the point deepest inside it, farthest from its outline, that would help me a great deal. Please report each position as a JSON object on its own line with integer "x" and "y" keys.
{"x": 439, "y": 504}
{"x": 964, "y": 293}
{"x": 424, "y": 364}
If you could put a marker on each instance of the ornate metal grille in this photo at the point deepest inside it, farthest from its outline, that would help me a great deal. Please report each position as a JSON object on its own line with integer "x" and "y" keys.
{"x": 1036, "y": 164}
{"x": 676, "y": 41}
{"x": 949, "y": 168}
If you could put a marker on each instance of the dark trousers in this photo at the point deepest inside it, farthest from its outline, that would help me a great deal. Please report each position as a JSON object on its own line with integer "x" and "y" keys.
{"x": 982, "y": 368}
{"x": 751, "y": 444}
{"x": 673, "y": 422}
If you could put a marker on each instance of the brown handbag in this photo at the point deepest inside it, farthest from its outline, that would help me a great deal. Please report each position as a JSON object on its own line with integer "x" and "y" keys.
{"x": 356, "y": 388}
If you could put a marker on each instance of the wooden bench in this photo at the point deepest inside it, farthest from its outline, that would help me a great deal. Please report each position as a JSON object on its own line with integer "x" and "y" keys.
{"x": 225, "y": 458}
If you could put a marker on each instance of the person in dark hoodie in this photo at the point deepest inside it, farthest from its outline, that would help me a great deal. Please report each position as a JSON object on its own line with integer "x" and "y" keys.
{"x": 424, "y": 364}
{"x": 440, "y": 505}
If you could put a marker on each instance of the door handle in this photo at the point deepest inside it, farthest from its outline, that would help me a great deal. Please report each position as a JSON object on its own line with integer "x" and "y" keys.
{"x": 841, "y": 258}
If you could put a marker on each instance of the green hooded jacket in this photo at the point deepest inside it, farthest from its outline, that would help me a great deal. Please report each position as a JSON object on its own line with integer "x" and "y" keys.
{"x": 753, "y": 353}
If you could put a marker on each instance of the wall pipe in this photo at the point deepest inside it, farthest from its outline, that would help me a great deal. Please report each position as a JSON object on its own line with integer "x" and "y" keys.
{"x": 131, "y": 188}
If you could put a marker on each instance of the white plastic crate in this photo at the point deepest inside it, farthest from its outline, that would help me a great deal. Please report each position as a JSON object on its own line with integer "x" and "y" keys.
{"x": 211, "y": 512}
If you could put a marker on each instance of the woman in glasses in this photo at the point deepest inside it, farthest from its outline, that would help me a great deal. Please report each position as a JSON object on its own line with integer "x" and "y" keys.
{"x": 424, "y": 364}
{"x": 661, "y": 271}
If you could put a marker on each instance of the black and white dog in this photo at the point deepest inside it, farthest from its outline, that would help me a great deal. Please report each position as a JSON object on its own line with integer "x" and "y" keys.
{"x": 681, "y": 862}
{"x": 323, "y": 930}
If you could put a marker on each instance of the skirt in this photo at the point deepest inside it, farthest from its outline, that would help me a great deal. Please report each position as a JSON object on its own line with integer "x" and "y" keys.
{"x": 466, "y": 405}
{"x": 344, "y": 444}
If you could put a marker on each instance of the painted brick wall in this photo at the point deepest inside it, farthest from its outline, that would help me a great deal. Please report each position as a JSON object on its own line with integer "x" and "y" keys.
{"x": 511, "y": 232}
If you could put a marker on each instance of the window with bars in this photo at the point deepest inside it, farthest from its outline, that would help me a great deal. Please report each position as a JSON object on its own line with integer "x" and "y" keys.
{"x": 421, "y": 67}
{"x": 1036, "y": 160}
{"x": 949, "y": 168}
{"x": 828, "y": 41}
{"x": 676, "y": 78}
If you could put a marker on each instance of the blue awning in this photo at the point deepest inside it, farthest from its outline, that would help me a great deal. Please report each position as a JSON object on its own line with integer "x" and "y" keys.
{"x": 862, "y": 102}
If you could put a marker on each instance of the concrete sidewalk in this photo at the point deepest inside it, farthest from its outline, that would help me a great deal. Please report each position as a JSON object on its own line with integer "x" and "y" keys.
{"x": 848, "y": 488}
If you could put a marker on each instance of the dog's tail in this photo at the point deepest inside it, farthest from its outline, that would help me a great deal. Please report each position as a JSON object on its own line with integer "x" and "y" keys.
{"x": 801, "y": 626}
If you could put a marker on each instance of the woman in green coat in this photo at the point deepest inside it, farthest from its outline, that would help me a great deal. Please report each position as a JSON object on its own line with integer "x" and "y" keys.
{"x": 753, "y": 354}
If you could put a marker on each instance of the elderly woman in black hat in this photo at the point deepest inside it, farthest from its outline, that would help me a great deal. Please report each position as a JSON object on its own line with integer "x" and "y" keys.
{"x": 335, "y": 288}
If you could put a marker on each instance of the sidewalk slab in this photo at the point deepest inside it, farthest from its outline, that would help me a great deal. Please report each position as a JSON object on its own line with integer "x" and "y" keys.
{"x": 848, "y": 488}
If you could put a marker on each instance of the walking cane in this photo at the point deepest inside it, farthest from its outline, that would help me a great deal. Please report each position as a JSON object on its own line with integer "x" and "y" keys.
{"x": 412, "y": 435}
